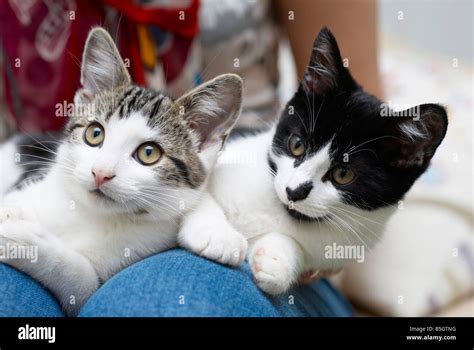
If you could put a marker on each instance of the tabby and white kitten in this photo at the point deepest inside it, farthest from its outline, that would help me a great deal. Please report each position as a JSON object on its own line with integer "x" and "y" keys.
{"x": 128, "y": 169}
{"x": 329, "y": 172}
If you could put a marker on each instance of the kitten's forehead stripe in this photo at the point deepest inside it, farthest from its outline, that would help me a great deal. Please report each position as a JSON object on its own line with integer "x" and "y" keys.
{"x": 136, "y": 99}
{"x": 130, "y": 105}
{"x": 123, "y": 102}
{"x": 126, "y": 94}
{"x": 156, "y": 106}
{"x": 145, "y": 97}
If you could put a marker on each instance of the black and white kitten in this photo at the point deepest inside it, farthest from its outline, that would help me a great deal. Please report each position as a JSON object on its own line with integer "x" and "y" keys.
{"x": 328, "y": 173}
{"x": 131, "y": 164}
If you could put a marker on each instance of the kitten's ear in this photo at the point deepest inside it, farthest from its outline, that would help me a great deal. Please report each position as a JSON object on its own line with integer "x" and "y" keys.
{"x": 102, "y": 67}
{"x": 212, "y": 109}
{"x": 416, "y": 139}
{"x": 325, "y": 68}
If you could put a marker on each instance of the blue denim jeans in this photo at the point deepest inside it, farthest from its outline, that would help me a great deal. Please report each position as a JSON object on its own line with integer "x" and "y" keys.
{"x": 174, "y": 283}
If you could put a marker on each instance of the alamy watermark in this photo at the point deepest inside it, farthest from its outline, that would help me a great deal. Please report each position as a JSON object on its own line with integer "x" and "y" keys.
{"x": 19, "y": 252}
{"x": 391, "y": 109}
{"x": 345, "y": 252}
{"x": 242, "y": 157}
{"x": 28, "y": 332}
{"x": 71, "y": 110}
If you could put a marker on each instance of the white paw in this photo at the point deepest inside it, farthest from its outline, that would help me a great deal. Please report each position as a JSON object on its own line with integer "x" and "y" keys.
{"x": 272, "y": 271}
{"x": 20, "y": 233}
{"x": 10, "y": 213}
{"x": 220, "y": 243}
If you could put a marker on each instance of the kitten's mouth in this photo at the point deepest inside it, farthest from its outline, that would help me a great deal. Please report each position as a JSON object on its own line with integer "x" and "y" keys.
{"x": 98, "y": 193}
{"x": 302, "y": 217}
{"x": 101, "y": 195}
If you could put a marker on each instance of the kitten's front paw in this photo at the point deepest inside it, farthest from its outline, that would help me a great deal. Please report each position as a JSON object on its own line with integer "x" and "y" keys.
{"x": 11, "y": 213}
{"x": 21, "y": 233}
{"x": 272, "y": 271}
{"x": 221, "y": 243}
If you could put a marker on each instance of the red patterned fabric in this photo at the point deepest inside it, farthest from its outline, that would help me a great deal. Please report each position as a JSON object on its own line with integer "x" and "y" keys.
{"x": 180, "y": 17}
{"x": 41, "y": 58}
{"x": 42, "y": 41}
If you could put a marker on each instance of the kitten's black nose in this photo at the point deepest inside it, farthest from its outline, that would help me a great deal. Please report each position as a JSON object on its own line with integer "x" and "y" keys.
{"x": 300, "y": 192}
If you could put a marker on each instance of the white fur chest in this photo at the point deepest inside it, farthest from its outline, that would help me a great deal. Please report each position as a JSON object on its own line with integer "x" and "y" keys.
{"x": 241, "y": 184}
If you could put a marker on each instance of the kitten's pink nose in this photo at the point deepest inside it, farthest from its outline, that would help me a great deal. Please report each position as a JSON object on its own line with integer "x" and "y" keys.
{"x": 102, "y": 176}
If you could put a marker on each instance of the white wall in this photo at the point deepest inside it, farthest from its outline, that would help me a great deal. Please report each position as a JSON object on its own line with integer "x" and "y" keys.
{"x": 443, "y": 27}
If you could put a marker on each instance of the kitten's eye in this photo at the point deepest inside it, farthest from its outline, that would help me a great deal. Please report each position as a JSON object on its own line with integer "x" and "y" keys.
{"x": 342, "y": 175}
{"x": 148, "y": 154}
{"x": 296, "y": 146}
{"x": 94, "y": 135}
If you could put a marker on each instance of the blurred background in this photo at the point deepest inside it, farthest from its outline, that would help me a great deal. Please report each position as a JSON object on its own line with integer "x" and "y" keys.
{"x": 405, "y": 52}
{"x": 436, "y": 26}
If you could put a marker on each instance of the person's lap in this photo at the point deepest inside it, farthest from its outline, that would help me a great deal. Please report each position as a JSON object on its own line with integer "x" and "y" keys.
{"x": 173, "y": 283}
{"x": 21, "y": 296}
